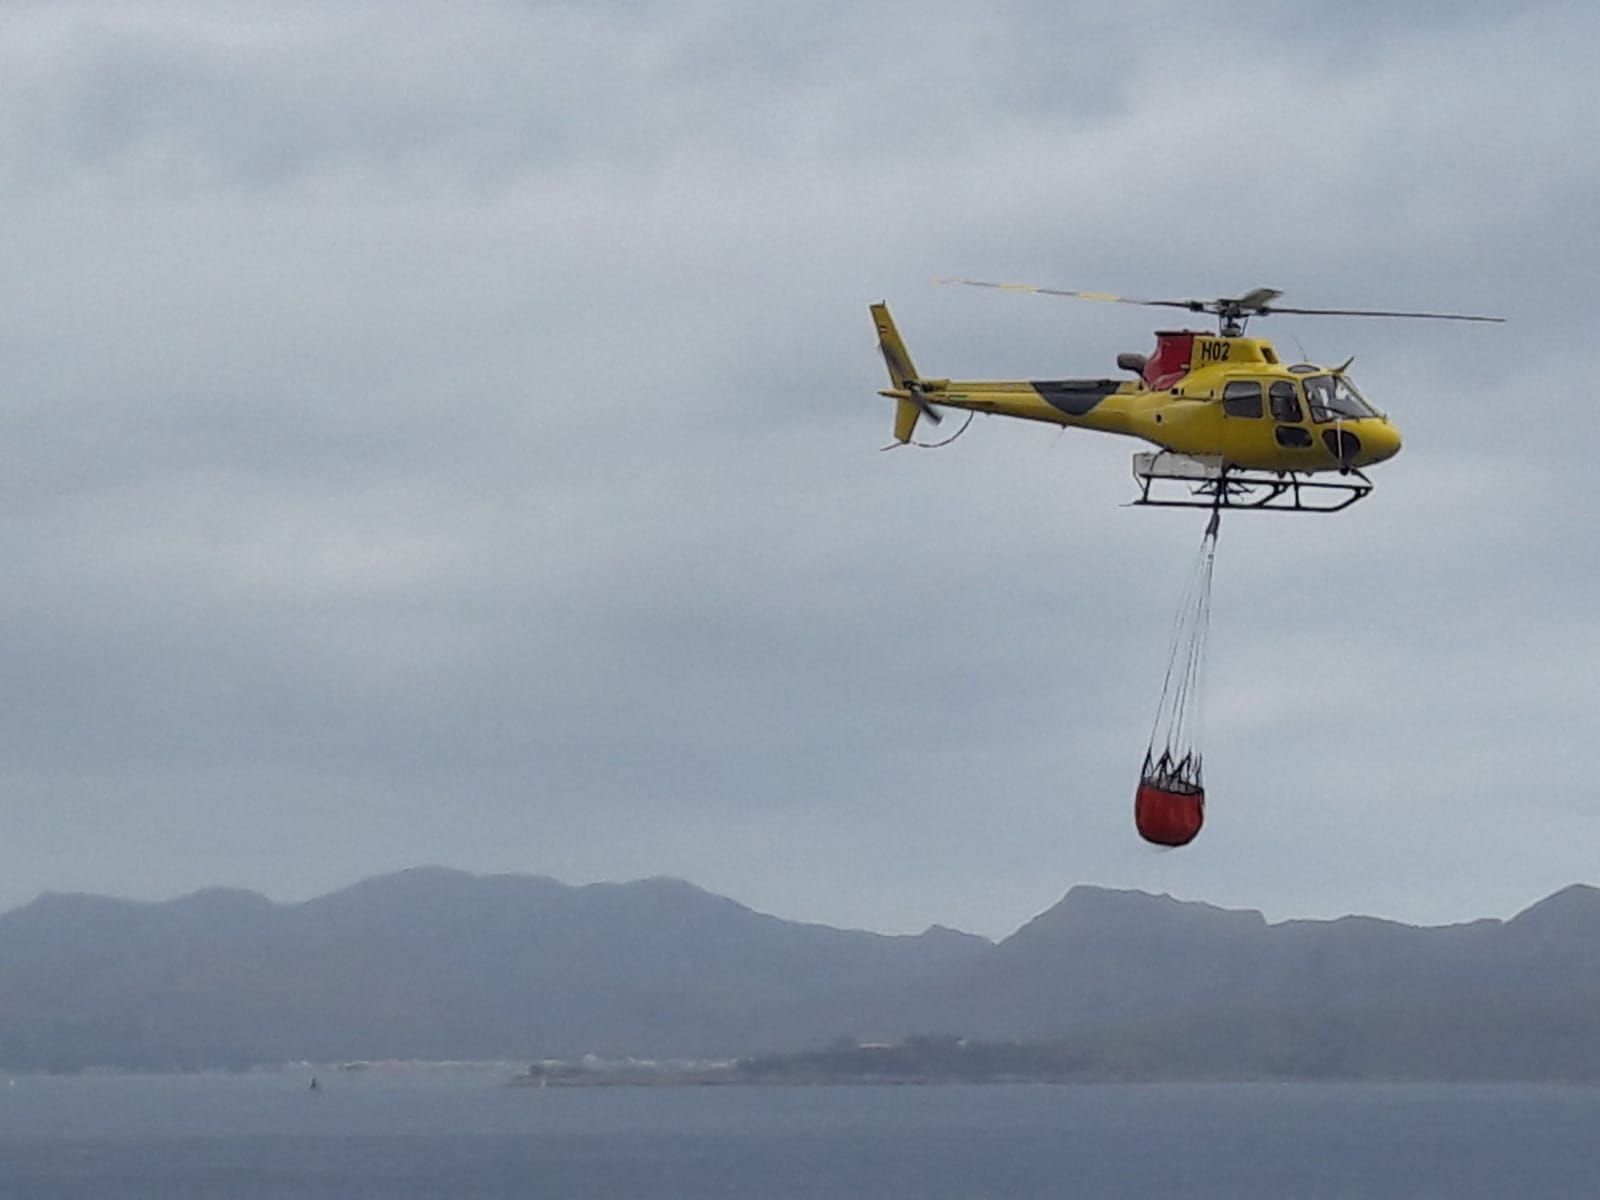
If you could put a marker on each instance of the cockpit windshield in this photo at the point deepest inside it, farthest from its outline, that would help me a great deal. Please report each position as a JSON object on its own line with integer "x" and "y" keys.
{"x": 1334, "y": 397}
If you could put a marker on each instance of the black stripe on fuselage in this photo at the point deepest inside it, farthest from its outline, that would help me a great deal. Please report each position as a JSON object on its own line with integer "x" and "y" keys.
{"x": 1074, "y": 396}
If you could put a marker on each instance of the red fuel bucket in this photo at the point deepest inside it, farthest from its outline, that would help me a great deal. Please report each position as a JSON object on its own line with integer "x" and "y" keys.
{"x": 1168, "y": 818}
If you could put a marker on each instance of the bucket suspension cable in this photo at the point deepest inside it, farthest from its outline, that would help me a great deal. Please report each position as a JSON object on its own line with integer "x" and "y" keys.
{"x": 1178, "y": 732}
{"x": 1169, "y": 806}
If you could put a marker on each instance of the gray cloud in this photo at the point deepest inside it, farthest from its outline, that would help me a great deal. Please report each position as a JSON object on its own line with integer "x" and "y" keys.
{"x": 452, "y": 438}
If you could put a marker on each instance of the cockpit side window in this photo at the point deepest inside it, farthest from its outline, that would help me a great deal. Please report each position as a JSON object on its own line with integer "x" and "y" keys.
{"x": 1285, "y": 400}
{"x": 1242, "y": 398}
{"x": 1332, "y": 397}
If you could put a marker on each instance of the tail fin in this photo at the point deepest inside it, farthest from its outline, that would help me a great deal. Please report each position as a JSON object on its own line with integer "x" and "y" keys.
{"x": 902, "y": 374}
{"x": 895, "y": 357}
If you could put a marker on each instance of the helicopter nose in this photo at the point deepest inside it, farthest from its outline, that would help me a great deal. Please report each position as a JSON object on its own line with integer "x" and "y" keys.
{"x": 1362, "y": 443}
{"x": 1383, "y": 441}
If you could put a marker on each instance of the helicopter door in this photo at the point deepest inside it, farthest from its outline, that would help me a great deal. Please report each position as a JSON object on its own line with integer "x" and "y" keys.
{"x": 1244, "y": 432}
{"x": 1290, "y": 431}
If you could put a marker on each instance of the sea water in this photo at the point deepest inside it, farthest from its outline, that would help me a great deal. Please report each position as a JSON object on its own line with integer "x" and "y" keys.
{"x": 465, "y": 1133}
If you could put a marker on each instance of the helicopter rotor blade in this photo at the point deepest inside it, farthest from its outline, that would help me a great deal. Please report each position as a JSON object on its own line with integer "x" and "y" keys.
{"x": 1256, "y": 302}
{"x": 1269, "y": 309}
{"x": 1106, "y": 297}
{"x": 920, "y": 399}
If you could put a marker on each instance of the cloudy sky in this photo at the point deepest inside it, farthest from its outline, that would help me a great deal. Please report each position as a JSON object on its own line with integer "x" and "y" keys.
{"x": 447, "y": 433}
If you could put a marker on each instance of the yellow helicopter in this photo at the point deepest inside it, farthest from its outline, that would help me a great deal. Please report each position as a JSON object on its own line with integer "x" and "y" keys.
{"x": 1236, "y": 426}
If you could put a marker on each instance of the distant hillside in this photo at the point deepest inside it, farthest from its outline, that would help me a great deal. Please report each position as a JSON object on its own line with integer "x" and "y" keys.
{"x": 1160, "y": 987}
{"x": 434, "y": 963}
{"x": 440, "y": 964}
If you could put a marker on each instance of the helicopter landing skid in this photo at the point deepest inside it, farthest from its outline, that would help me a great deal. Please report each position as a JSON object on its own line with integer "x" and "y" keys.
{"x": 1204, "y": 482}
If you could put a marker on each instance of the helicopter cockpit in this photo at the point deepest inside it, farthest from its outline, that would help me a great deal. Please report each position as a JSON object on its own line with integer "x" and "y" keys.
{"x": 1332, "y": 397}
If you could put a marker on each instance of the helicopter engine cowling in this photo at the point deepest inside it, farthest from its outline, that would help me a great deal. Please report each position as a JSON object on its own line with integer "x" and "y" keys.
{"x": 1170, "y": 362}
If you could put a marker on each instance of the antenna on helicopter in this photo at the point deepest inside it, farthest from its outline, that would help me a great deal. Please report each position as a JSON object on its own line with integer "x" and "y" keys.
{"x": 1232, "y": 312}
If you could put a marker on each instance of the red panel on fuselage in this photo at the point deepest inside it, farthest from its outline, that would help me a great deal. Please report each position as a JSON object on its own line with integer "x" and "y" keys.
{"x": 1170, "y": 362}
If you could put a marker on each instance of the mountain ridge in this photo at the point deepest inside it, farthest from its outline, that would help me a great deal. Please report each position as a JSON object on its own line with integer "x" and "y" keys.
{"x": 1580, "y": 897}
{"x": 439, "y": 963}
